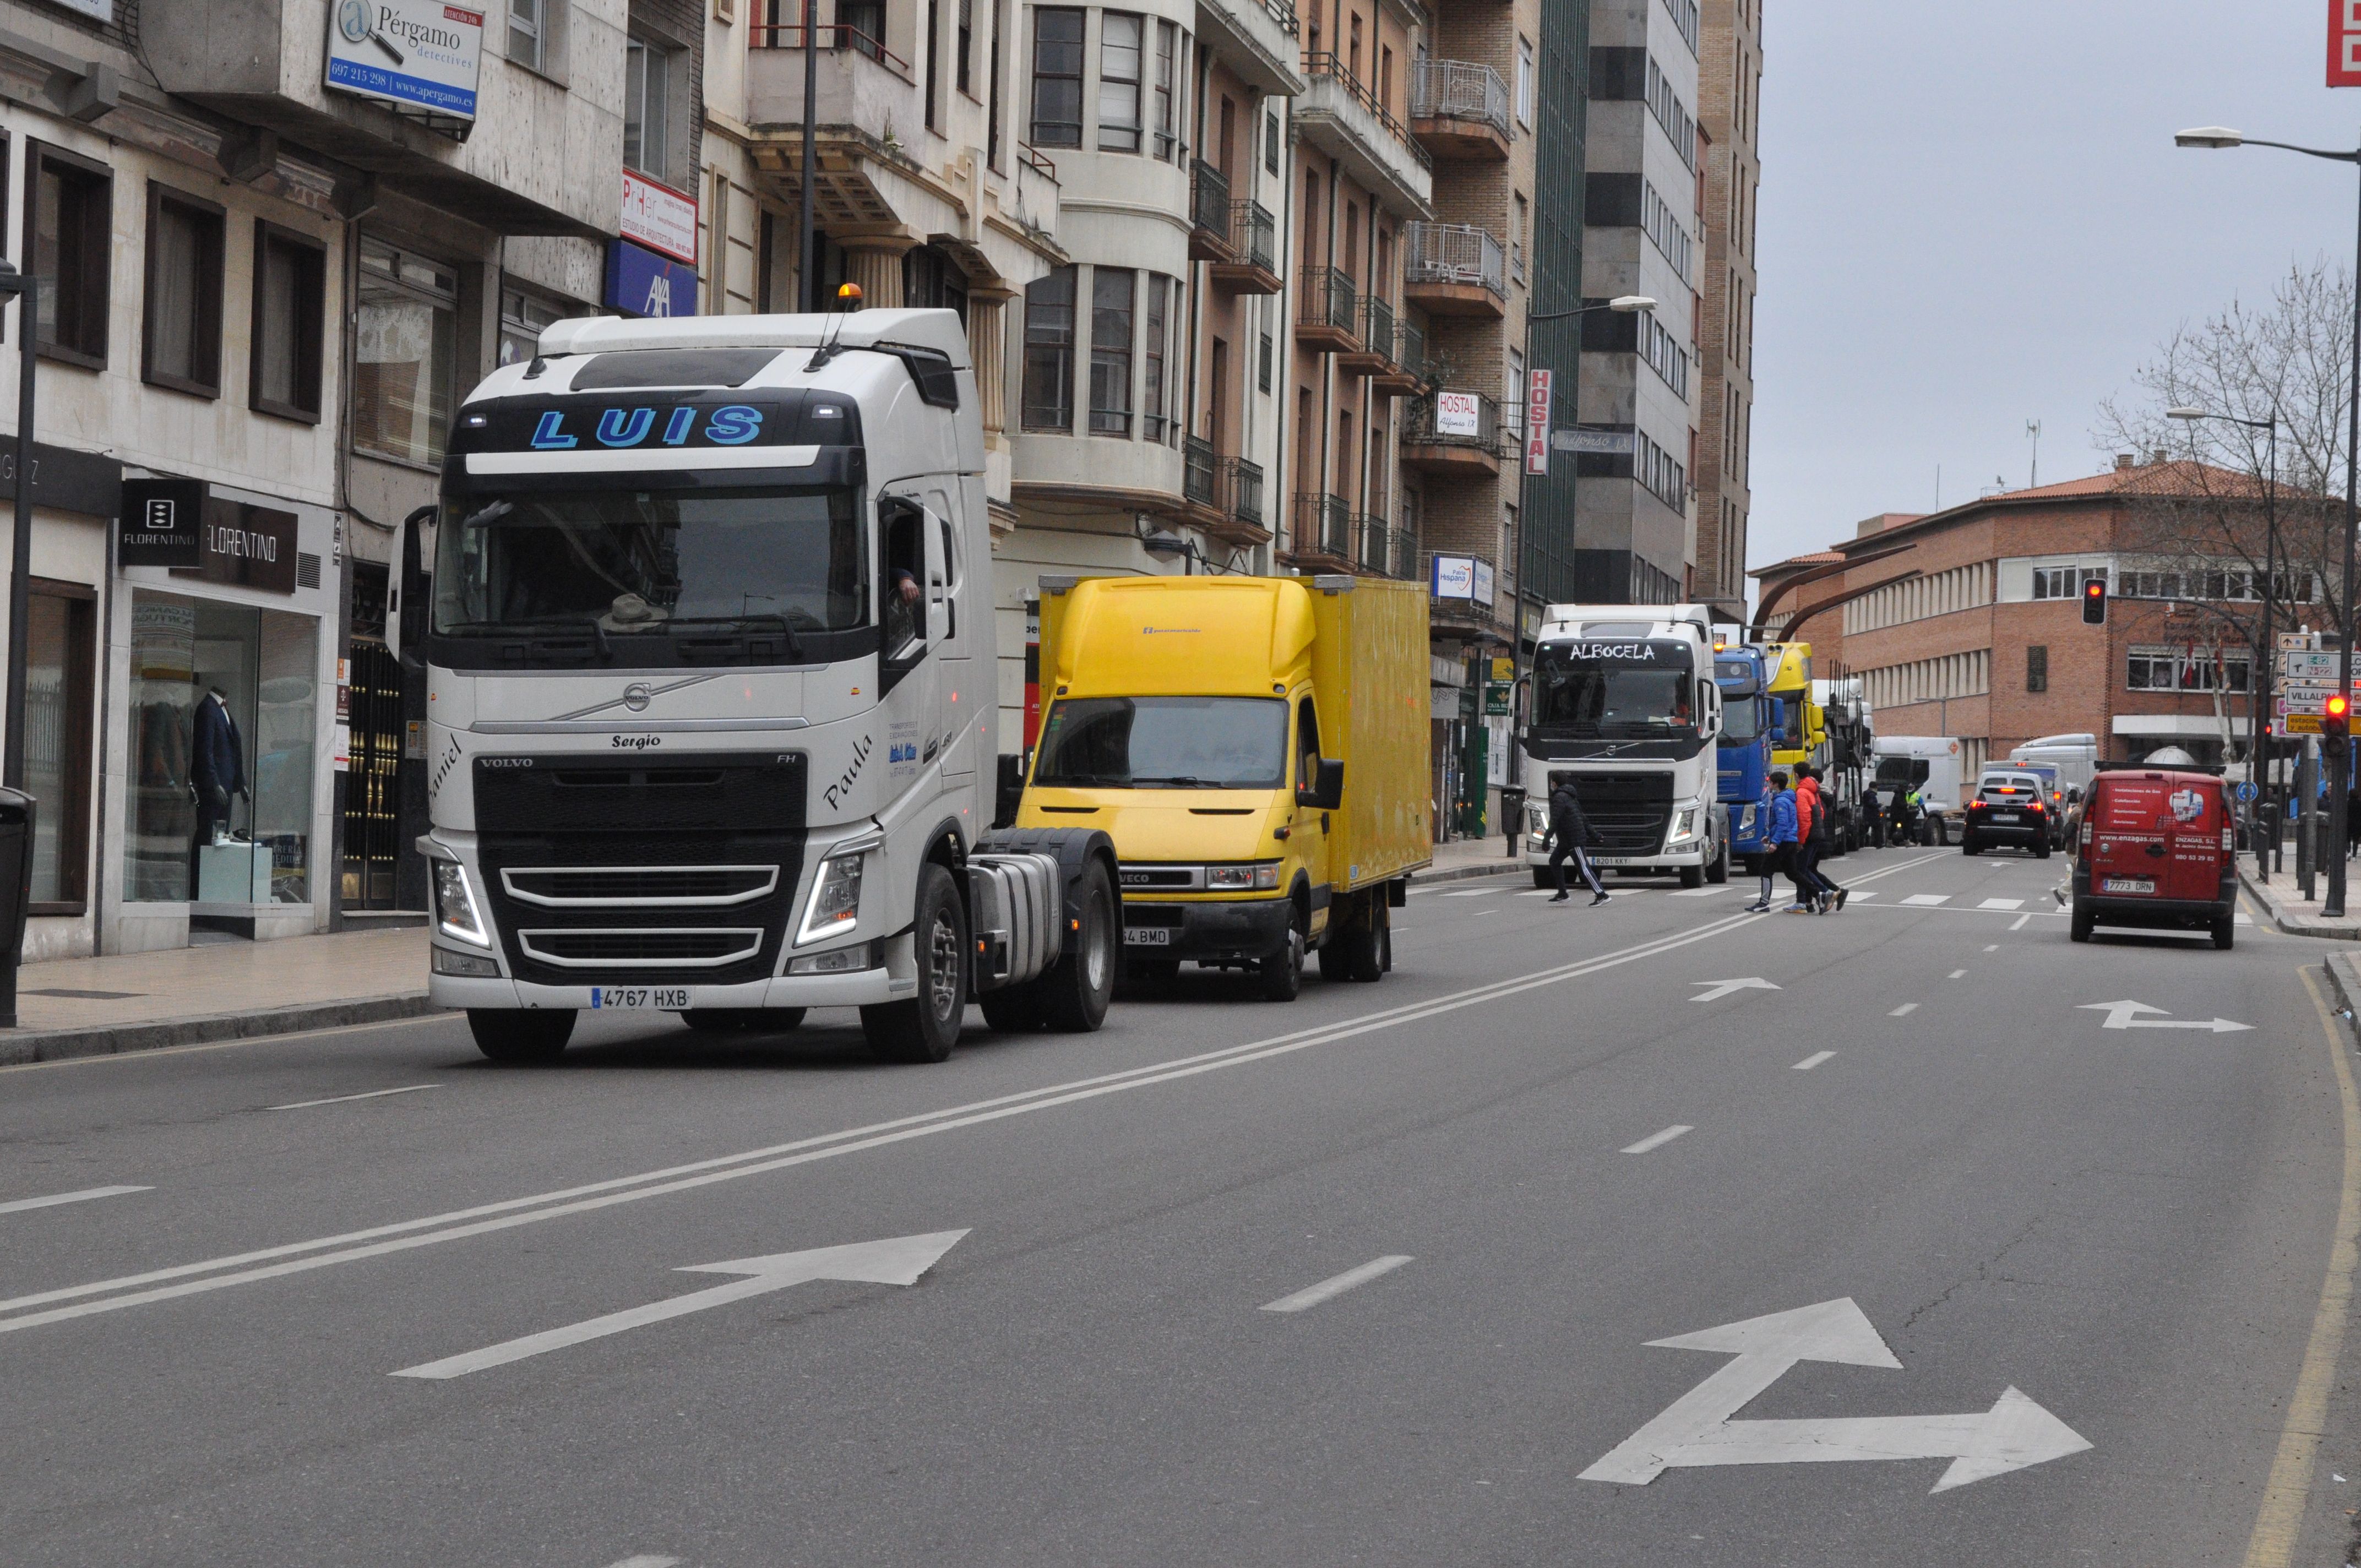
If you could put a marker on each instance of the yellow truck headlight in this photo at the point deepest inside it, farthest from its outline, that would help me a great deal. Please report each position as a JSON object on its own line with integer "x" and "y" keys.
{"x": 1260, "y": 878}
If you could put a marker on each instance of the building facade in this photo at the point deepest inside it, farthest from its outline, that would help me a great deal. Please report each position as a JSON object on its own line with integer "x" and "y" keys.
{"x": 1730, "y": 94}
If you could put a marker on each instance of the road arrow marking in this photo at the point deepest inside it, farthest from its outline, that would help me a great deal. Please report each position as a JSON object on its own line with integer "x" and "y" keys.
{"x": 2122, "y": 1015}
{"x": 1722, "y": 988}
{"x": 1697, "y": 1429}
{"x": 899, "y": 1260}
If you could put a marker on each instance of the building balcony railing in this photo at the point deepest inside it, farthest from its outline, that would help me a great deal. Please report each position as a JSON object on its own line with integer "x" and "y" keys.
{"x": 1454, "y": 433}
{"x": 1377, "y": 544}
{"x": 1459, "y": 90}
{"x": 1378, "y": 327}
{"x": 1209, "y": 213}
{"x": 840, "y": 35}
{"x": 1325, "y": 311}
{"x": 1406, "y": 556}
{"x": 1199, "y": 471}
{"x": 1242, "y": 485}
{"x": 1409, "y": 350}
{"x": 1254, "y": 235}
{"x": 1324, "y": 526}
{"x": 1339, "y": 114}
{"x": 1454, "y": 255}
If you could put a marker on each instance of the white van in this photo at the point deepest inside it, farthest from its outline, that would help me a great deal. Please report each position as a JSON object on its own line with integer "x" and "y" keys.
{"x": 1930, "y": 764}
{"x": 2076, "y": 758}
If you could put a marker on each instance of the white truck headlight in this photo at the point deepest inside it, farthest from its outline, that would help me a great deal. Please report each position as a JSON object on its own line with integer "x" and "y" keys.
{"x": 1243, "y": 879}
{"x": 454, "y": 905}
{"x": 1684, "y": 825}
{"x": 836, "y": 898}
{"x": 465, "y": 966}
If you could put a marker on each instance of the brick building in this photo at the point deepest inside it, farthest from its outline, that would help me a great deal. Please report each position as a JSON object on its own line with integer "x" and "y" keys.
{"x": 1973, "y": 626}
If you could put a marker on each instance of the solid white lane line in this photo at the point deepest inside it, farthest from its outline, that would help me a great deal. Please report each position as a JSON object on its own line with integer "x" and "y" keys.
{"x": 1815, "y": 1059}
{"x": 1904, "y": 1011}
{"x": 342, "y": 1099}
{"x": 1958, "y": 974}
{"x": 483, "y": 1219}
{"x": 1927, "y": 900}
{"x": 2021, "y": 920}
{"x": 1657, "y": 1140}
{"x": 1329, "y": 1289}
{"x": 2002, "y": 904}
{"x": 19, "y": 1205}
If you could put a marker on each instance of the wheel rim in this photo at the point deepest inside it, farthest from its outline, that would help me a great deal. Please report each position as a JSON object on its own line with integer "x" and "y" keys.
{"x": 943, "y": 949}
{"x": 1095, "y": 945}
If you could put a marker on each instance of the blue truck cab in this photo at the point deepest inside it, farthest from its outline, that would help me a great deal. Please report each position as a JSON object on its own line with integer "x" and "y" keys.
{"x": 1750, "y": 725}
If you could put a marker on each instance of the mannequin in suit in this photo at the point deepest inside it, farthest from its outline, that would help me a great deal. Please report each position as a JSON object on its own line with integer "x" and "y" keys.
{"x": 217, "y": 771}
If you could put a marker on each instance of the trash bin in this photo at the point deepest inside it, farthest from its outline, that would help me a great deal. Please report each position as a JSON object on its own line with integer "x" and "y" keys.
{"x": 1513, "y": 816}
{"x": 16, "y": 892}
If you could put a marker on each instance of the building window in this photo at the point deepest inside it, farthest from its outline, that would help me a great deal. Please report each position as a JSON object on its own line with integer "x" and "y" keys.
{"x": 1058, "y": 79}
{"x": 532, "y": 27}
{"x": 61, "y": 627}
{"x": 403, "y": 359}
{"x": 1270, "y": 141}
{"x": 1524, "y": 82}
{"x": 1049, "y": 350}
{"x": 2037, "y": 667}
{"x": 1119, "y": 45}
{"x": 1665, "y": 228}
{"x": 69, "y": 233}
{"x": 1159, "y": 294}
{"x": 2190, "y": 668}
{"x": 934, "y": 60}
{"x": 180, "y": 318}
{"x": 964, "y": 60}
{"x": 1262, "y": 370}
{"x": 1168, "y": 67}
{"x": 1112, "y": 291}
{"x": 932, "y": 280}
{"x": 523, "y": 316}
{"x": 1672, "y": 115}
{"x": 291, "y": 305}
{"x": 647, "y": 105}
{"x": 1664, "y": 354}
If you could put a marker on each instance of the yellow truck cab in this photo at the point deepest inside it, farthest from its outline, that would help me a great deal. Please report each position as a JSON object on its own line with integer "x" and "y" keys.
{"x": 1804, "y": 727}
{"x": 1257, "y": 748}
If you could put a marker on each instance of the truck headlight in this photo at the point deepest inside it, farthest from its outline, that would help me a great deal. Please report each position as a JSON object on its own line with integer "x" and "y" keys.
{"x": 1684, "y": 825}
{"x": 1746, "y": 819}
{"x": 1537, "y": 818}
{"x": 836, "y": 898}
{"x": 1243, "y": 879}
{"x": 467, "y": 966}
{"x": 843, "y": 960}
{"x": 454, "y": 905}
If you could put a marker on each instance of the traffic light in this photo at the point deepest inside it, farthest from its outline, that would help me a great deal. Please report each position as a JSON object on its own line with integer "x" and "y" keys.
{"x": 2336, "y": 714}
{"x": 2095, "y": 602}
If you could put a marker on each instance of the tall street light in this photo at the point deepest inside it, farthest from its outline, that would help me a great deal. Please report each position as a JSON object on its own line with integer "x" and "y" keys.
{"x": 2265, "y": 656}
{"x": 2340, "y": 754}
{"x": 1624, "y": 305}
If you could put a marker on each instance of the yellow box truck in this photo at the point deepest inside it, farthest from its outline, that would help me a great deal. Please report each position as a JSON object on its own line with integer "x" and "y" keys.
{"x": 1257, "y": 748}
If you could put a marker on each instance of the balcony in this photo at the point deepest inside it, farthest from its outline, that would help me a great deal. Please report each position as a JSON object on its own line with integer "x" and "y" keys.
{"x": 1405, "y": 370}
{"x": 1454, "y": 269}
{"x": 1339, "y": 114}
{"x": 1459, "y": 111}
{"x": 1323, "y": 531}
{"x": 1241, "y": 486}
{"x": 1209, "y": 214}
{"x": 1376, "y": 538}
{"x": 1324, "y": 312}
{"x": 1254, "y": 240}
{"x": 1377, "y": 335}
{"x": 1199, "y": 474}
{"x": 1453, "y": 435}
{"x": 1256, "y": 39}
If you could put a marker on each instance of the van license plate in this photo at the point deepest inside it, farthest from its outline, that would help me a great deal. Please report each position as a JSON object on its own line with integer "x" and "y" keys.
{"x": 2128, "y": 885}
{"x": 629, "y": 998}
{"x": 1147, "y": 935}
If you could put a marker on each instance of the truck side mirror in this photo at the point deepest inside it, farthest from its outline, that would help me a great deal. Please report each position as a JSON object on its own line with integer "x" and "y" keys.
{"x": 407, "y": 591}
{"x": 1325, "y": 792}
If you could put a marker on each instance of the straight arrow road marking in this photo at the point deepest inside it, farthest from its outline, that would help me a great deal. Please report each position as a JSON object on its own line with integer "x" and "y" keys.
{"x": 898, "y": 1261}
{"x": 19, "y": 1205}
{"x": 1697, "y": 1430}
{"x": 1329, "y": 1289}
{"x": 1815, "y": 1059}
{"x": 1657, "y": 1140}
{"x": 2124, "y": 1016}
{"x": 1722, "y": 988}
{"x": 343, "y": 1099}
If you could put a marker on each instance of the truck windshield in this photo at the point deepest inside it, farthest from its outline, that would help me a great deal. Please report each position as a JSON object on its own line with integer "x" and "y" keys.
{"x": 1590, "y": 688}
{"x": 1164, "y": 743}
{"x": 1741, "y": 721}
{"x": 646, "y": 561}
{"x": 1901, "y": 773}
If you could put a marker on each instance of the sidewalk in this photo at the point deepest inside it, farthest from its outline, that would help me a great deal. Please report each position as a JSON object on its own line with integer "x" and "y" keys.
{"x": 2297, "y": 917}
{"x": 1469, "y": 858}
{"x": 221, "y": 991}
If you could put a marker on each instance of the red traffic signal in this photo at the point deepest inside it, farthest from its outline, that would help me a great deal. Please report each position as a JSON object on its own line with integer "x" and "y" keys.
{"x": 2095, "y": 602}
{"x": 2336, "y": 714}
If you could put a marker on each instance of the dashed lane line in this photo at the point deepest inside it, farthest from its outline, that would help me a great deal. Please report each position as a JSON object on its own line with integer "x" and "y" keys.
{"x": 19, "y": 1205}
{"x": 344, "y": 1099}
{"x": 1958, "y": 974}
{"x": 1815, "y": 1059}
{"x": 1658, "y": 1140}
{"x": 1904, "y": 1011}
{"x": 1329, "y": 1289}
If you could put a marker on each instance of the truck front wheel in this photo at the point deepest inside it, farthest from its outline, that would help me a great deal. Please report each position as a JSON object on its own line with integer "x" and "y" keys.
{"x": 1074, "y": 993}
{"x": 1692, "y": 876}
{"x": 1360, "y": 948}
{"x": 926, "y": 1027}
{"x": 1283, "y": 972}
{"x": 529, "y": 1037}
{"x": 1718, "y": 874}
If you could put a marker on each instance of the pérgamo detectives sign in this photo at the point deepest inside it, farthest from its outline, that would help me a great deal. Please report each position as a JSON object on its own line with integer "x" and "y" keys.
{"x": 414, "y": 54}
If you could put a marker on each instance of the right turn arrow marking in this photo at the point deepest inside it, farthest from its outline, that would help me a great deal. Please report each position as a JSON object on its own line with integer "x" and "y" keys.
{"x": 1722, "y": 988}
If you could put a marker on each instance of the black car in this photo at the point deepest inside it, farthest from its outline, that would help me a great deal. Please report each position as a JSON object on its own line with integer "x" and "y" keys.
{"x": 2009, "y": 807}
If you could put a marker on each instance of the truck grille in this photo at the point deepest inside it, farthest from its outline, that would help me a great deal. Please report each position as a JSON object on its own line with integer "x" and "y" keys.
{"x": 1628, "y": 813}
{"x": 626, "y": 870}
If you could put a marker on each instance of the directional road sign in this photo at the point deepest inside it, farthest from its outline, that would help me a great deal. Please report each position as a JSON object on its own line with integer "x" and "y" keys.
{"x": 1697, "y": 1428}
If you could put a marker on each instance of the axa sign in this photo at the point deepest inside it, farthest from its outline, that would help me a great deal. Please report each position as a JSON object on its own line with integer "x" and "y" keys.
{"x": 641, "y": 283}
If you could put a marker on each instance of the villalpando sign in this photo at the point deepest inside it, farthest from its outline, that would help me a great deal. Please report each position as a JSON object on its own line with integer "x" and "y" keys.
{"x": 179, "y": 524}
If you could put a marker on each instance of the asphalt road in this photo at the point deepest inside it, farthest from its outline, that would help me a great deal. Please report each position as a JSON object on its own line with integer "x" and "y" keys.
{"x": 2129, "y": 1226}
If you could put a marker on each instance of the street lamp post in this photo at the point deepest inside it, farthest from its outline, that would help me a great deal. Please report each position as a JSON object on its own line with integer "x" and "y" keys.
{"x": 2266, "y": 665}
{"x": 2340, "y": 754}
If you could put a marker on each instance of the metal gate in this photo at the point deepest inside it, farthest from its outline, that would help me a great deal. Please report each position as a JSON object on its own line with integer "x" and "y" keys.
{"x": 372, "y": 798}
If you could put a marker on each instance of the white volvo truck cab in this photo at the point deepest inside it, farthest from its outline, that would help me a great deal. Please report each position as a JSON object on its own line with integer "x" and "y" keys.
{"x": 711, "y": 696}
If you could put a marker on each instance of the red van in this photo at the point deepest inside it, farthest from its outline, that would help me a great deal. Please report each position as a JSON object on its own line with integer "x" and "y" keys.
{"x": 2155, "y": 850}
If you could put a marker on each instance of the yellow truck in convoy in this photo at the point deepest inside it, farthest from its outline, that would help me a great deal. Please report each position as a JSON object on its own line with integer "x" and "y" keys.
{"x": 1257, "y": 748}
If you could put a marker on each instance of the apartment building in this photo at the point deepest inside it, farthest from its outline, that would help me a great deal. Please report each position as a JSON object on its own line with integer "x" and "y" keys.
{"x": 1637, "y": 442}
{"x": 1730, "y": 95}
{"x": 268, "y": 258}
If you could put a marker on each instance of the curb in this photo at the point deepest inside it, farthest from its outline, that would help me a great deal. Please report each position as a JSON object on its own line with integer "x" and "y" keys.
{"x": 2344, "y": 978}
{"x": 1504, "y": 866}
{"x": 104, "y": 1040}
{"x": 2345, "y": 930}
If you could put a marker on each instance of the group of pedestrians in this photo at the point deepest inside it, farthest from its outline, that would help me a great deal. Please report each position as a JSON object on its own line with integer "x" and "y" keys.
{"x": 1799, "y": 836}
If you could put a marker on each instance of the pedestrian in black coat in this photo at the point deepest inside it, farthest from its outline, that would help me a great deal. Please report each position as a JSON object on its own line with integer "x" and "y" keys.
{"x": 1570, "y": 832}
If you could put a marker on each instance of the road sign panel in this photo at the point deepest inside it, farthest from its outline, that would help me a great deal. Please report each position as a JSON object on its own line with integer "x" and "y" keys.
{"x": 2301, "y": 724}
{"x": 2309, "y": 664}
{"x": 2245, "y": 792}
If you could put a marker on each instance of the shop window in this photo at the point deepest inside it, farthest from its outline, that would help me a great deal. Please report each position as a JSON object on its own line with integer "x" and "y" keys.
{"x": 1113, "y": 294}
{"x": 403, "y": 356}
{"x": 223, "y": 731}
{"x": 70, "y": 233}
{"x": 60, "y": 632}
{"x": 1049, "y": 352}
{"x": 523, "y": 316}
{"x": 1057, "y": 78}
{"x": 180, "y": 317}
{"x": 291, "y": 305}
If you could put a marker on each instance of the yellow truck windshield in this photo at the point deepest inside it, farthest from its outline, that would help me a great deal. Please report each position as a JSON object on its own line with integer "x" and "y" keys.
{"x": 1164, "y": 743}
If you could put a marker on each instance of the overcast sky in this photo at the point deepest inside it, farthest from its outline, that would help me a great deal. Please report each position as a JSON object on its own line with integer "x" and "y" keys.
{"x": 1974, "y": 217}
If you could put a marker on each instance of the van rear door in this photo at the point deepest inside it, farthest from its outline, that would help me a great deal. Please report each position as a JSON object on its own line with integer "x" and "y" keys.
{"x": 2128, "y": 848}
{"x": 2193, "y": 820}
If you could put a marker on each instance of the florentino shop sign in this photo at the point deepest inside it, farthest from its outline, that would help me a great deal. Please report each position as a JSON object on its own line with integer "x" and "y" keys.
{"x": 246, "y": 547}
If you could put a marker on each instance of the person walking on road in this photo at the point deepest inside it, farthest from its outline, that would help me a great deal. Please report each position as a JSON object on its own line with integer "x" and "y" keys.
{"x": 1767, "y": 863}
{"x": 1786, "y": 832}
{"x": 1569, "y": 831}
{"x": 1817, "y": 838}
